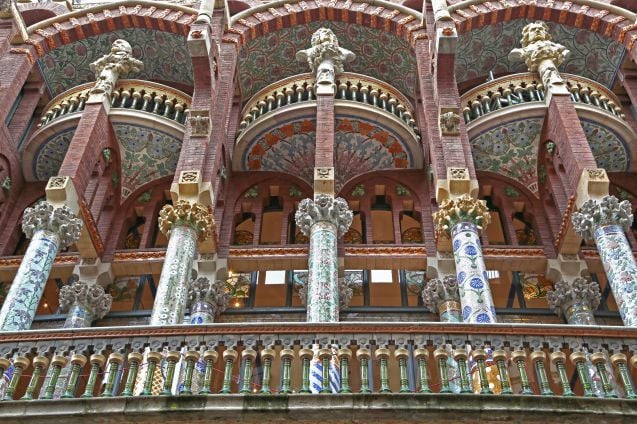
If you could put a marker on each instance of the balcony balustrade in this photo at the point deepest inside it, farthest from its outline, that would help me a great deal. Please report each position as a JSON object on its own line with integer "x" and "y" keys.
{"x": 254, "y": 359}
{"x": 349, "y": 86}
{"x": 139, "y": 95}
{"x": 526, "y": 88}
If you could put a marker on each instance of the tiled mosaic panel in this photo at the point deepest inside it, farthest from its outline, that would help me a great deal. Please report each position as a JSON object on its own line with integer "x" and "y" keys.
{"x": 147, "y": 154}
{"x": 49, "y": 157}
{"x": 361, "y": 146}
{"x": 164, "y": 54}
{"x": 322, "y": 294}
{"x": 607, "y": 146}
{"x": 487, "y": 49}
{"x": 510, "y": 149}
{"x": 378, "y": 54}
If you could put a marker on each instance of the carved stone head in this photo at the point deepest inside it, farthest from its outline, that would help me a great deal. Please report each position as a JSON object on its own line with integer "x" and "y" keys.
{"x": 534, "y": 32}
{"x": 324, "y": 35}
{"x": 121, "y": 46}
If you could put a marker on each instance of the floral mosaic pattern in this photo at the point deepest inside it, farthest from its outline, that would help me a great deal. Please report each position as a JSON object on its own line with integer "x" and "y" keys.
{"x": 165, "y": 58}
{"x": 147, "y": 154}
{"x": 378, "y": 54}
{"x": 26, "y": 291}
{"x": 49, "y": 157}
{"x": 487, "y": 49}
{"x": 322, "y": 294}
{"x": 361, "y": 147}
{"x": 607, "y": 146}
{"x": 621, "y": 270}
{"x": 473, "y": 283}
{"x": 510, "y": 149}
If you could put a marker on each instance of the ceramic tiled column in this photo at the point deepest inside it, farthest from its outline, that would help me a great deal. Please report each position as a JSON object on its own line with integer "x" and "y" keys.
{"x": 440, "y": 296}
{"x": 576, "y": 300}
{"x": 323, "y": 219}
{"x": 605, "y": 221}
{"x": 49, "y": 228}
{"x": 84, "y": 302}
{"x": 462, "y": 218}
{"x": 184, "y": 224}
{"x": 207, "y": 299}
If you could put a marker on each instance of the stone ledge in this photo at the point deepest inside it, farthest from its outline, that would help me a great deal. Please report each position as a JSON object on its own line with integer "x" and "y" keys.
{"x": 345, "y": 409}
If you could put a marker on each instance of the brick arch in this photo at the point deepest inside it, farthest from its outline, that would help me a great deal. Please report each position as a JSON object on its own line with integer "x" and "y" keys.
{"x": 33, "y": 13}
{"x": 51, "y": 34}
{"x": 602, "y": 19}
{"x": 385, "y": 16}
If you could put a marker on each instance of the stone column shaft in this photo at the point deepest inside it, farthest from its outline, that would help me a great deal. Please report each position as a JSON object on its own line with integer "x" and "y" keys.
{"x": 184, "y": 224}
{"x": 605, "y": 221}
{"x": 49, "y": 229}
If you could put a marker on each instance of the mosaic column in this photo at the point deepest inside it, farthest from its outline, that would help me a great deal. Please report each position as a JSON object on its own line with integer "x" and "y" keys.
{"x": 576, "y": 300}
{"x": 84, "y": 302}
{"x": 462, "y": 219}
{"x": 605, "y": 221}
{"x": 323, "y": 219}
{"x": 184, "y": 224}
{"x": 441, "y": 296}
{"x": 49, "y": 229}
{"x": 346, "y": 286}
{"x": 206, "y": 300}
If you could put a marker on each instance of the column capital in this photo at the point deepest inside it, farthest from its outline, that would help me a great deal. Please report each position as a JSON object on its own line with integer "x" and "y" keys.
{"x": 59, "y": 220}
{"x": 201, "y": 289}
{"x": 91, "y": 296}
{"x": 567, "y": 293}
{"x": 193, "y": 215}
{"x": 440, "y": 290}
{"x": 324, "y": 208}
{"x": 595, "y": 214}
{"x": 461, "y": 209}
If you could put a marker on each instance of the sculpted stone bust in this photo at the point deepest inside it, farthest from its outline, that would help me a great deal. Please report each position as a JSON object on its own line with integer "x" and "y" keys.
{"x": 325, "y": 57}
{"x": 108, "y": 68}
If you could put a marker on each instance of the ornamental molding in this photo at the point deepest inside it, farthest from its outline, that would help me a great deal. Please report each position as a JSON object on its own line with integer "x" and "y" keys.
{"x": 324, "y": 208}
{"x": 110, "y": 67}
{"x": 58, "y": 220}
{"x": 88, "y": 295}
{"x": 387, "y": 251}
{"x": 578, "y": 291}
{"x": 461, "y": 209}
{"x": 595, "y": 214}
{"x": 283, "y": 251}
{"x": 184, "y": 213}
{"x": 439, "y": 290}
{"x": 202, "y": 289}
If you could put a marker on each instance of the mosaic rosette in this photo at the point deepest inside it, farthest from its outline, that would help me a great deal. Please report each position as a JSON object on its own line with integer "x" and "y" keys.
{"x": 473, "y": 284}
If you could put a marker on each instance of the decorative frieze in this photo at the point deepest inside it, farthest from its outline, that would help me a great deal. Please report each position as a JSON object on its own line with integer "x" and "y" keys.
{"x": 109, "y": 68}
{"x": 461, "y": 209}
{"x": 576, "y": 300}
{"x": 184, "y": 213}
{"x": 324, "y": 208}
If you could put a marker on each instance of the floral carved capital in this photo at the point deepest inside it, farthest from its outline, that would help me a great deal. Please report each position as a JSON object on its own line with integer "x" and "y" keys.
{"x": 193, "y": 215}
{"x": 59, "y": 220}
{"x": 608, "y": 211}
{"x": 439, "y": 290}
{"x": 461, "y": 209}
{"x": 90, "y": 296}
{"x": 324, "y": 208}
{"x": 202, "y": 289}
{"x": 579, "y": 290}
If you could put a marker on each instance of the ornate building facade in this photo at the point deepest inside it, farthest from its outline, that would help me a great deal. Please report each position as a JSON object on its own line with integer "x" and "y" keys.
{"x": 318, "y": 210}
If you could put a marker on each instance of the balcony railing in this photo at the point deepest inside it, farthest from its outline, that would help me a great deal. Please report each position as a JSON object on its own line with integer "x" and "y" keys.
{"x": 251, "y": 359}
{"x": 518, "y": 89}
{"x": 349, "y": 86}
{"x": 144, "y": 96}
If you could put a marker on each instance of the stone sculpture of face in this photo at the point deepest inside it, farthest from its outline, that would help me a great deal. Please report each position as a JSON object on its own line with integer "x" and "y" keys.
{"x": 121, "y": 46}
{"x": 537, "y": 31}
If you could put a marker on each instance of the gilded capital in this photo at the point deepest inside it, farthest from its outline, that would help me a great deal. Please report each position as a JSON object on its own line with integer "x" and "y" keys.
{"x": 193, "y": 215}
{"x": 580, "y": 290}
{"x": 595, "y": 214}
{"x": 461, "y": 209}
{"x": 59, "y": 220}
{"x": 439, "y": 290}
{"x": 90, "y": 296}
{"x": 324, "y": 208}
{"x": 202, "y": 289}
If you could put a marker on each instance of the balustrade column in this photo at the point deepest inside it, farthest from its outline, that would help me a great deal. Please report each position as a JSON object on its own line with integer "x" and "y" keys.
{"x": 323, "y": 219}
{"x": 207, "y": 299}
{"x": 605, "y": 221}
{"x": 184, "y": 224}
{"x": 49, "y": 228}
{"x": 84, "y": 302}
{"x": 462, "y": 218}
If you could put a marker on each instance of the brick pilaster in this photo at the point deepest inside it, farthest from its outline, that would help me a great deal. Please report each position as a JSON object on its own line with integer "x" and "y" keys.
{"x": 324, "y": 153}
